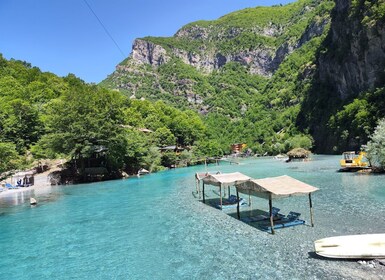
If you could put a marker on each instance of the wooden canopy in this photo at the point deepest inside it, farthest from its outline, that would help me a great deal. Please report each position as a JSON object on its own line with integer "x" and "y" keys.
{"x": 199, "y": 176}
{"x": 269, "y": 188}
{"x": 226, "y": 179}
{"x": 282, "y": 186}
{"x": 223, "y": 180}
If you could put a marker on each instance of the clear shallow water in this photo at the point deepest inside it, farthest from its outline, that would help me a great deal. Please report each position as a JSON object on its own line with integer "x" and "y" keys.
{"x": 153, "y": 228}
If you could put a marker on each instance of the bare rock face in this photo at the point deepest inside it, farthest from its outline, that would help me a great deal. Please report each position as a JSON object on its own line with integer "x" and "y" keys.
{"x": 144, "y": 52}
{"x": 355, "y": 58}
{"x": 261, "y": 60}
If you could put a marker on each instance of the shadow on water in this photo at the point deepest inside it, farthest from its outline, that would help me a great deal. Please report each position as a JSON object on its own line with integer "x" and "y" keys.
{"x": 256, "y": 218}
{"x": 313, "y": 255}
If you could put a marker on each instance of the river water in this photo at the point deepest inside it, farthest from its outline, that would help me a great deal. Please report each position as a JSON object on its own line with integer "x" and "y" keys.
{"x": 153, "y": 227}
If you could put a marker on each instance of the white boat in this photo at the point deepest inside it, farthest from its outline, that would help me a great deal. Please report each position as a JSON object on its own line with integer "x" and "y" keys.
{"x": 281, "y": 157}
{"x": 143, "y": 171}
{"x": 363, "y": 246}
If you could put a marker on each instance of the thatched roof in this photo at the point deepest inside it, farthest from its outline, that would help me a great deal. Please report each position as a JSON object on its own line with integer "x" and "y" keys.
{"x": 298, "y": 153}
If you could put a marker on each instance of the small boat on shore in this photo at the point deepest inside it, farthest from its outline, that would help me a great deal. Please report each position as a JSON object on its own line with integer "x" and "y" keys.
{"x": 143, "y": 171}
{"x": 362, "y": 246}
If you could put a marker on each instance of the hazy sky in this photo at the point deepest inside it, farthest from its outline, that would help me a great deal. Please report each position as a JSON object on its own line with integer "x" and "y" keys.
{"x": 64, "y": 36}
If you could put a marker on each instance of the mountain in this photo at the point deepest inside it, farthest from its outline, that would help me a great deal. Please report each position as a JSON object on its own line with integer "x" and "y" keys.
{"x": 267, "y": 75}
{"x": 258, "y": 38}
{"x": 347, "y": 96}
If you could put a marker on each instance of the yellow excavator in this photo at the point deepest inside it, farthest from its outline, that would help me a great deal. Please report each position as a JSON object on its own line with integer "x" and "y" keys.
{"x": 354, "y": 161}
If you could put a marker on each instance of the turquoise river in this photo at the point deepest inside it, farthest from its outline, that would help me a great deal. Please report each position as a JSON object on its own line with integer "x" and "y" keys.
{"x": 153, "y": 227}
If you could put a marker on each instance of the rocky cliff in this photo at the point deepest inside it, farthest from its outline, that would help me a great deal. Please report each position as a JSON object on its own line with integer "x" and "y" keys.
{"x": 208, "y": 54}
{"x": 355, "y": 58}
{"x": 350, "y": 68}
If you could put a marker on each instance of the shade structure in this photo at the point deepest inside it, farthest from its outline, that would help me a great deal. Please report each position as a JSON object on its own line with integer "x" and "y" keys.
{"x": 281, "y": 186}
{"x": 199, "y": 176}
{"x": 223, "y": 180}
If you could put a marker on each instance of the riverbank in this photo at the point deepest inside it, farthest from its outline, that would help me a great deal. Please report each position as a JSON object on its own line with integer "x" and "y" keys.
{"x": 41, "y": 181}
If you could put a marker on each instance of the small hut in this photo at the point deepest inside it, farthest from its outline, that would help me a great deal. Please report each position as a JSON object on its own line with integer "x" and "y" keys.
{"x": 23, "y": 178}
{"x": 298, "y": 154}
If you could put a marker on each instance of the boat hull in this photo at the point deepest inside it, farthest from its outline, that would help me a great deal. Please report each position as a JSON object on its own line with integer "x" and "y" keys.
{"x": 364, "y": 246}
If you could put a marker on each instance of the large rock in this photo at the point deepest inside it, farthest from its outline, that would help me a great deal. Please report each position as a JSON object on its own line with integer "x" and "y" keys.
{"x": 145, "y": 52}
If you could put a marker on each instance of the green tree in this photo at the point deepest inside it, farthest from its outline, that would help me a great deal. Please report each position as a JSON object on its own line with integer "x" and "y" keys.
{"x": 152, "y": 159}
{"x": 84, "y": 120}
{"x": 163, "y": 137}
{"x": 207, "y": 148}
{"x": 376, "y": 146}
{"x": 9, "y": 157}
{"x": 299, "y": 141}
{"x": 21, "y": 124}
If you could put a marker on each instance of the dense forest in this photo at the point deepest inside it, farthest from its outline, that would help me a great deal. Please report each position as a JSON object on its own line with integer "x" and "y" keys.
{"x": 308, "y": 74}
{"x": 43, "y": 116}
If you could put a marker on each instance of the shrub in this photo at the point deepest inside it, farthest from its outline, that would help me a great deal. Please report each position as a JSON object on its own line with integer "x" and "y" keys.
{"x": 376, "y": 146}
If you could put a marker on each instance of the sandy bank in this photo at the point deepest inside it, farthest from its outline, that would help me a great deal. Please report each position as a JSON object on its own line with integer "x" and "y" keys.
{"x": 41, "y": 181}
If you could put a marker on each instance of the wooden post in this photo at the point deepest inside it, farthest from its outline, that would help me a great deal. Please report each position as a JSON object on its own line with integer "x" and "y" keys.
{"x": 311, "y": 210}
{"x": 220, "y": 195}
{"x": 196, "y": 183}
{"x": 199, "y": 189}
{"x": 249, "y": 199}
{"x": 238, "y": 214}
{"x": 203, "y": 190}
{"x": 271, "y": 215}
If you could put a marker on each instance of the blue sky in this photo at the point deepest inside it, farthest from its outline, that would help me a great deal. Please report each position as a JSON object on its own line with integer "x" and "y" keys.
{"x": 63, "y": 36}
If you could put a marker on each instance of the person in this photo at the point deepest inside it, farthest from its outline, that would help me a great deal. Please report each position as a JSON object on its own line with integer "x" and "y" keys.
{"x": 19, "y": 182}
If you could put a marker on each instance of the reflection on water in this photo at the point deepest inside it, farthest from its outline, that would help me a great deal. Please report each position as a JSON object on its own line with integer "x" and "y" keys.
{"x": 12, "y": 198}
{"x": 22, "y": 197}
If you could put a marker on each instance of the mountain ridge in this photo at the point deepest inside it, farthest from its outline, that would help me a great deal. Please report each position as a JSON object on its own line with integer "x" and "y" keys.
{"x": 286, "y": 57}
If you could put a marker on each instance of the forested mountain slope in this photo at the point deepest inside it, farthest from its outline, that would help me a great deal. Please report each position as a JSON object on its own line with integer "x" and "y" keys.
{"x": 267, "y": 74}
